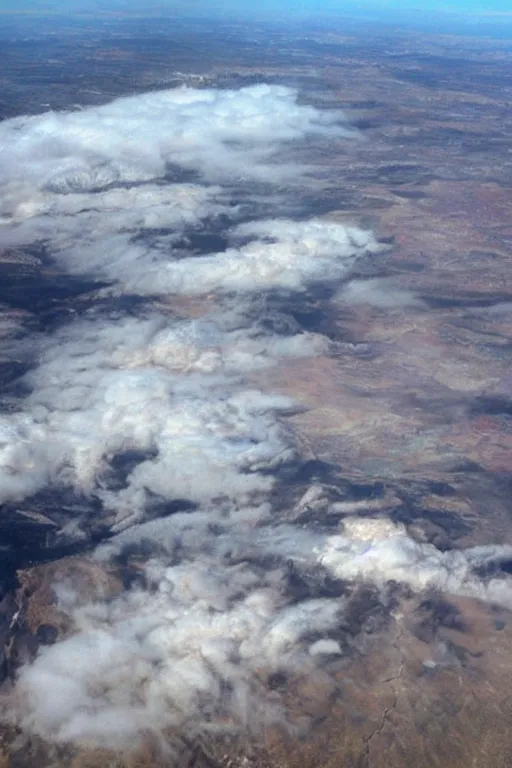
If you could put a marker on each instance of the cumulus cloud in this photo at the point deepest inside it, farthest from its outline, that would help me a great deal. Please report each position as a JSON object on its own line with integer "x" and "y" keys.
{"x": 177, "y": 648}
{"x": 216, "y": 134}
{"x": 115, "y": 192}
{"x": 197, "y": 645}
{"x": 379, "y": 551}
{"x": 105, "y": 388}
{"x": 167, "y": 389}
{"x": 179, "y": 119}
{"x": 280, "y": 254}
{"x": 89, "y": 183}
{"x": 202, "y": 639}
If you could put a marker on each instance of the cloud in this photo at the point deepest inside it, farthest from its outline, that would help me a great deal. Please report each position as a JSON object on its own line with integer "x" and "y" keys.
{"x": 379, "y": 551}
{"x": 135, "y": 413}
{"x": 201, "y": 640}
{"x": 167, "y": 389}
{"x": 115, "y": 193}
{"x": 90, "y": 184}
{"x": 97, "y": 192}
{"x": 175, "y": 658}
{"x": 285, "y": 254}
{"x": 218, "y": 135}
{"x": 380, "y": 293}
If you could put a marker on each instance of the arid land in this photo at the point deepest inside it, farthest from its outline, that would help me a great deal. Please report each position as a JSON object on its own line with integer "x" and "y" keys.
{"x": 410, "y": 413}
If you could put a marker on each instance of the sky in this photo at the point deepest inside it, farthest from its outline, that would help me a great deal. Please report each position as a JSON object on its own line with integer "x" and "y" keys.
{"x": 292, "y": 7}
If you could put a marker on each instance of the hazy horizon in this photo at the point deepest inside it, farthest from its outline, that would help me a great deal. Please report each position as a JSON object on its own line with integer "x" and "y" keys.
{"x": 284, "y": 7}
{"x": 475, "y": 18}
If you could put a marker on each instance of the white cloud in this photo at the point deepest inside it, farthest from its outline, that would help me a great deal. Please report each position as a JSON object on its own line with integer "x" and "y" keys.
{"x": 281, "y": 254}
{"x": 378, "y": 551}
{"x": 87, "y": 184}
{"x": 378, "y": 292}
{"x": 100, "y": 189}
{"x": 220, "y": 135}
{"x": 201, "y": 640}
{"x": 103, "y": 388}
{"x": 173, "y": 658}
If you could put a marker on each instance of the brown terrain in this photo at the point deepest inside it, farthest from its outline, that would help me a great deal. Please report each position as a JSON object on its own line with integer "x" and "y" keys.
{"x": 415, "y": 399}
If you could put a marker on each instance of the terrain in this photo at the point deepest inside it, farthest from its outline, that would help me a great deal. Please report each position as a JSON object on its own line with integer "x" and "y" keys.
{"x": 406, "y": 413}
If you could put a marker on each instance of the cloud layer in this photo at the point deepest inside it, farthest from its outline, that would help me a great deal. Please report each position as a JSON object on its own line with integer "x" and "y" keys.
{"x": 135, "y": 413}
{"x": 202, "y": 638}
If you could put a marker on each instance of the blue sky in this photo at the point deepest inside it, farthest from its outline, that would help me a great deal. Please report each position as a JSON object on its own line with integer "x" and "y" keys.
{"x": 280, "y": 7}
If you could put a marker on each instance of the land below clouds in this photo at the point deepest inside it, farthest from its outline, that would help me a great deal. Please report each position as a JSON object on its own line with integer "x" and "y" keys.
{"x": 407, "y": 416}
